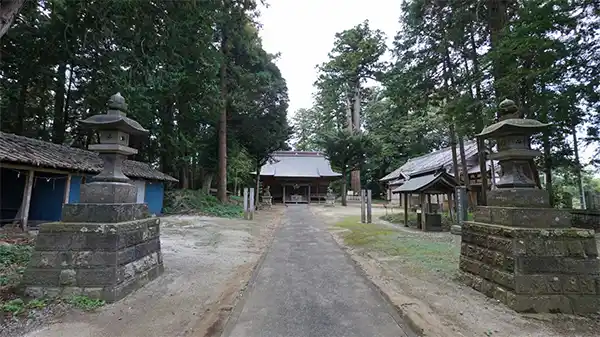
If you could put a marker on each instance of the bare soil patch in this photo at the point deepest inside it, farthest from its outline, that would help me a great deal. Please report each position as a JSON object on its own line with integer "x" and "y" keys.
{"x": 417, "y": 272}
{"x": 208, "y": 262}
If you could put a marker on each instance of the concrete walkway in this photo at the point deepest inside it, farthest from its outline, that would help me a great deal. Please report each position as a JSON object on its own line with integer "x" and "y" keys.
{"x": 307, "y": 287}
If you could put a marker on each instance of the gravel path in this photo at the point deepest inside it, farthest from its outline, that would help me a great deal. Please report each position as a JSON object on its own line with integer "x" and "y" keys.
{"x": 307, "y": 286}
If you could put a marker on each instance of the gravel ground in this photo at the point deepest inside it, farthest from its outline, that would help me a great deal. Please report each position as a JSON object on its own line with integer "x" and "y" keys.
{"x": 435, "y": 302}
{"x": 207, "y": 262}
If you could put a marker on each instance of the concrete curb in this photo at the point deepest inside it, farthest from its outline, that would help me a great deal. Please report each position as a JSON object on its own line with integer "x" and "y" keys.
{"x": 238, "y": 305}
{"x": 410, "y": 327}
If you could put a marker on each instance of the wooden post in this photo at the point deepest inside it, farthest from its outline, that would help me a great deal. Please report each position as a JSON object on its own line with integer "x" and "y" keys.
{"x": 309, "y": 194}
{"x": 405, "y": 209}
{"x": 369, "y": 206}
{"x": 362, "y": 206}
{"x": 283, "y": 195}
{"x": 428, "y": 203}
{"x": 422, "y": 201}
{"x": 483, "y": 170}
{"x": 251, "y": 204}
{"x": 67, "y": 189}
{"x": 246, "y": 203}
{"x": 451, "y": 207}
{"x": 27, "y": 199}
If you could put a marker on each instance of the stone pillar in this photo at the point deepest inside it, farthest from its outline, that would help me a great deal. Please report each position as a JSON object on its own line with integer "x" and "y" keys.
{"x": 107, "y": 245}
{"x": 518, "y": 249}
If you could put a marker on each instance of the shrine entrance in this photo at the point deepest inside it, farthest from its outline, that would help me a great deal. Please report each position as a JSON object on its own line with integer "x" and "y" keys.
{"x": 296, "y": 193}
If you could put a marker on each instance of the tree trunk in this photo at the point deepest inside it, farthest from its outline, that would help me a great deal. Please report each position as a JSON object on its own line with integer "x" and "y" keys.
{"x": 21, "y": 111}
{"x": 58, "y": 122}
{"x": 222, "y": 156}
{"x": 355, "y": 174}
{"x": 257, "y": 186}
{"x": 9, "y": 9}
{"x": 463, "y": 161}
{"x": 578, "y": 166}
{"x": 344, "y": 188}
{"x": 453, "y": 150}
{"x": 496, "y": 21}
{"x": 349, "y": 123}
{"x": 207, "y": 182}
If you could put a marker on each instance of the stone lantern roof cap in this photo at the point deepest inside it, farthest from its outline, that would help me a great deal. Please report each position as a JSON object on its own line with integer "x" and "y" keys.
{"x": 511, "y": 122}
{"x": 115, "y": 118}
{"x": 513, "y": 126}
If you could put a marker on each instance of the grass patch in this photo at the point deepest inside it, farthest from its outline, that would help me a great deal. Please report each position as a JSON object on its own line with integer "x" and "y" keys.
{"x": 85, "y": 303}
{"x": 197, "y": 202}
{"x": 417, "y": 250}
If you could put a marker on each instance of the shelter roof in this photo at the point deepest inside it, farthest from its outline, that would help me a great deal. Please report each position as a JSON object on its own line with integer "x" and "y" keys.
{"x": 298, "y": 164}
{"x": 428, "y": 182}
{"x": 431, "y": 160}
{"x": 33, "y": 152}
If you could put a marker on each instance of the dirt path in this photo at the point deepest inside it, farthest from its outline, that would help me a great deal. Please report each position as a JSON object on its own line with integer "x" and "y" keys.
{"x": 207, "y": 262}
{"x": 430, "y": 297}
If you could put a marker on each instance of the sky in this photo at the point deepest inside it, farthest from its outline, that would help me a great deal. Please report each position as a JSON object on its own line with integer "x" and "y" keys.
{"x": 303, "y": 33}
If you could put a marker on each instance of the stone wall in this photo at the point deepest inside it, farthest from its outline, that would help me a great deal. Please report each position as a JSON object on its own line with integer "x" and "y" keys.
{"x": 589, "y": 219}
{"x": 555, "y": 273}
{"x": 105, "y": 261}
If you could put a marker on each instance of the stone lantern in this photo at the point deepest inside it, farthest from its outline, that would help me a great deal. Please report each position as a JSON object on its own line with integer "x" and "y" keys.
{"x": 518, "y": 249}
{"x": 516, "y": 186}
{"x": 107, "y": 245}
{"x": 114, "y": 128}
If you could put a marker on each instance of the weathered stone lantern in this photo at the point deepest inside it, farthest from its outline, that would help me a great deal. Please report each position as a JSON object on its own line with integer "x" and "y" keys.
{"x": 518, "y": 249}
{"x": 107, "y": 245}
{"x": 114, "y": 128}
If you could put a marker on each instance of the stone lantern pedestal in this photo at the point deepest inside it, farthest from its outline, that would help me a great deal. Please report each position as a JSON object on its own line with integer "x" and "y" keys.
{"x": 518, "y": 249}
{"x": 107, "y": 245}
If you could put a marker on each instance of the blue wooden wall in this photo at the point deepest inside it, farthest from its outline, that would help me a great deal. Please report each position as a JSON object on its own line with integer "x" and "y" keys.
{"x": 153, "y": 196}
{"x": 155, "y": 191}
{"x": 47, "y": 196}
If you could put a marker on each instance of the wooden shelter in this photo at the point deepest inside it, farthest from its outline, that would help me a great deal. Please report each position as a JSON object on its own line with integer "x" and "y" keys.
{"x": 298, "y": 176}
{"x": 425, "y": 184}
{"x": 37, "y": 178}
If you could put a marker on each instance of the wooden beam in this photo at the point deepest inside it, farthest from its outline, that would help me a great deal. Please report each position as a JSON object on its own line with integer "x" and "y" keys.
{"x": 27, "y": 199}
{"x": 38, "y": 169}
{"x": 483, "y": 170}
{"x": 67, "y": 190}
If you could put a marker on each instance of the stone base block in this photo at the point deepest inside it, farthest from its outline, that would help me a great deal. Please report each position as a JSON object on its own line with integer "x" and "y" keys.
{"x": 518, "y": 197}
{"x": 523, "y": 217}
{"x": 106, "y": 261}
{"x": 108, "y": 193}
{"x": 104, "y": 213}
{"x": 532, "y": 270}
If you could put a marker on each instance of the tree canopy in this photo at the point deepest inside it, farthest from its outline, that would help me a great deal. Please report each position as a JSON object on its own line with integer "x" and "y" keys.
{"x": 63, "y": 59}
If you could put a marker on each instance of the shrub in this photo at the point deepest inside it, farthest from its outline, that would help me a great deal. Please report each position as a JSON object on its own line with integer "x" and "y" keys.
{"x": 197, "y": 202}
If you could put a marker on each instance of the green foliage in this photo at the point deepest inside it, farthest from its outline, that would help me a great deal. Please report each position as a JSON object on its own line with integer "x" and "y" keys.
{"x": 18, "y": 306}
{"x": 197, "y": 202}
{"x": 85, "y": 303}
{"x": 14, "y": 254}
{"x": 15, "y": 306}
{"x": 165, "y": 59}
{"x": 13, "y": 261}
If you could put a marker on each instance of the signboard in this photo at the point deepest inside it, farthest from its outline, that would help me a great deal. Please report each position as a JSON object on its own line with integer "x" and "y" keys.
{"x": 461, "y": 204}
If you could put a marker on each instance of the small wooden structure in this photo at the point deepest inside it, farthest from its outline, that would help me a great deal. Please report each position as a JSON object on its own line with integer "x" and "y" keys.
{"x": 425, "y": 184}
{"x": 298, "y": 177}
